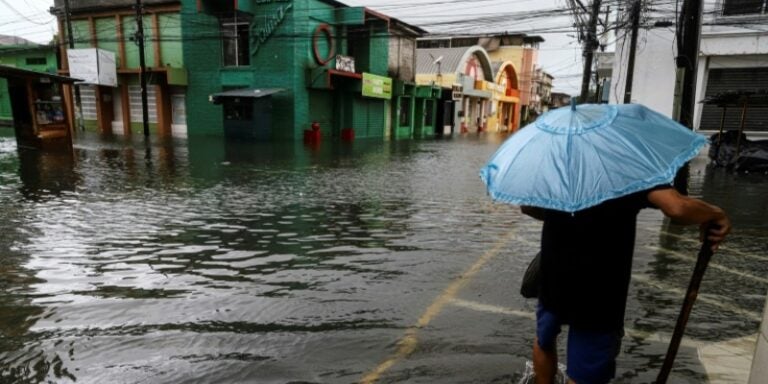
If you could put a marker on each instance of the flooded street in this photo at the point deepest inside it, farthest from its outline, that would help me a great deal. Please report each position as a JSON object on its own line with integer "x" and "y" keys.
{"x": 208, "y": 261}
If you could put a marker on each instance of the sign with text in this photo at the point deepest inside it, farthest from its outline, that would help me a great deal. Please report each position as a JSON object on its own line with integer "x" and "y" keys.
{"x": 377, "y": 86}
{"x": 457, "y": 91}
{"x": 93, "y": 65}
{"x": 345, "y": 63}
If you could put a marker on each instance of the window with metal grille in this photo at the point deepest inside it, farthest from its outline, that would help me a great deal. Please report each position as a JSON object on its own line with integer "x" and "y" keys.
{"x": 235, "y": 41}
{"x": 134, "y": 99}
{"x": 88, "y": 102}
{"x": 743, "y": 7}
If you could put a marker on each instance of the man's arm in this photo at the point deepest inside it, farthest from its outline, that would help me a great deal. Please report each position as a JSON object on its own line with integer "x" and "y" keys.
{"x": 687, "y": 210}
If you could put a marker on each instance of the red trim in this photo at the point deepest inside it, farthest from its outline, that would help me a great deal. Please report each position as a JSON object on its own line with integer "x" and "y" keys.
{"x": 236, "y": 5}
{"x": 325, "y": 29}
{"x": 333, "y": 72}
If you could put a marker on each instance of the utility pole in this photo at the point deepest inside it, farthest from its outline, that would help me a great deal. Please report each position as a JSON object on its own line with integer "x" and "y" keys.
{"x": 603, "y": 42}
{"x": 71, "y": 45}
{"x": 589, "y": 49}
{"x": 142, "y": 66}
{"x": 632, "y": 48}
{"x": 686, "y": 60}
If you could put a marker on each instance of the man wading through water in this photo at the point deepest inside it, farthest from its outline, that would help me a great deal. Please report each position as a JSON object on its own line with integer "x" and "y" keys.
{"x": 586, "y": 262}
{"x": 588, "y": 170}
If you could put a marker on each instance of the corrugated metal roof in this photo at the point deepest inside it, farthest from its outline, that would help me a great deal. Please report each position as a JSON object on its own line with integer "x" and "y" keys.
{"x": 87, "y": 5}
{"x": 15, "y": 40}
{"x": 451, "y": 59}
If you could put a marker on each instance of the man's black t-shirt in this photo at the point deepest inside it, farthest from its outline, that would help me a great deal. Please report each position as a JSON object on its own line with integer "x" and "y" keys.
{"x": 586, "y": 261}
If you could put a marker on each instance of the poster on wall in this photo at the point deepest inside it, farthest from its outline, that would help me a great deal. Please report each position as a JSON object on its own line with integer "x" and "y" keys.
{"x": 93, "y": 66}
{"x": 377, "y": 86}
{"x": 345, "y": 63}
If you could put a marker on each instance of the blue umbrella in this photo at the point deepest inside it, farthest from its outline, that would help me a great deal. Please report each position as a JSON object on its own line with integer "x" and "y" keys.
{"x": 576, "y": 157}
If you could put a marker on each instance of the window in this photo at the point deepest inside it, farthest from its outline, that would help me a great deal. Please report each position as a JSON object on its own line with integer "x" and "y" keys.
{"x": 743, "y": 7}
{"x": 238, "y": 109}
{"x": 36, "y": 61}
{"x": 134, "y": 104}
{"x": 405, "y": 111}
{"x": 88, "y": 102}
{"x": 235, "y": 41}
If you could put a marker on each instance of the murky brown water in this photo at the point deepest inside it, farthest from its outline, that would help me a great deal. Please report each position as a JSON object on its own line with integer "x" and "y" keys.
{"x": 207, "y": 261}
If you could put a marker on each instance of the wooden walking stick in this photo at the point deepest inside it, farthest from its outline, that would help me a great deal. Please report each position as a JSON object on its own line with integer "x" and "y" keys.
{"x": 705, "y": 253}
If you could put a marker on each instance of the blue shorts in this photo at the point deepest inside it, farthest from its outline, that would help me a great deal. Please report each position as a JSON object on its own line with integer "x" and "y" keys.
{"x": 591, "y": 354}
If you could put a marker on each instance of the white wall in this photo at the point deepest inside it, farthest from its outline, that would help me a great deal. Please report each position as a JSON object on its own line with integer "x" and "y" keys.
{"x": 654, "y": 74}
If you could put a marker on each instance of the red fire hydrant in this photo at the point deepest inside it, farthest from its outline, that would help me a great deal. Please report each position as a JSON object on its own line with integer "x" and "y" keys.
{"x": 313, "y": 135}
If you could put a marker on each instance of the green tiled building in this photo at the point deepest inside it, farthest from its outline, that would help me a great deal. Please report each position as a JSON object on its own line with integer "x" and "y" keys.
{"x": 273, "y": 67}
{"x": 319, "y": 52}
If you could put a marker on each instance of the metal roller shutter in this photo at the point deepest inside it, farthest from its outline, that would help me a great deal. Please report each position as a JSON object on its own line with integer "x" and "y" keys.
{"x": 735, "y": 79}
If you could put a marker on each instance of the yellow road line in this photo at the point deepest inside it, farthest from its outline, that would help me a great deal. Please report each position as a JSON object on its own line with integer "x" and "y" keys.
{"x": 408, "y": 343}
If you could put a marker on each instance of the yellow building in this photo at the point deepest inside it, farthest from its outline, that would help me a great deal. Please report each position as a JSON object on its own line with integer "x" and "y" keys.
{"x": 466, "y": 75}
{"x": 513, "y": 59}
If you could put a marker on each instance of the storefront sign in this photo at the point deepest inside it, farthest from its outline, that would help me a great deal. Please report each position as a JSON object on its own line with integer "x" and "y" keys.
{"x": 377, "y": 86}
{"x": 456, "y": 91}
{"x": 345, "y": 63}
{"x": 263, "y": 27}
{"x": 93, "y": 66}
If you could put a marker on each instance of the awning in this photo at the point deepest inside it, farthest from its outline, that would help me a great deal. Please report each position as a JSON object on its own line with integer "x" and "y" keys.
{"x": 253, "y": 93}
{"x": 19, "y": 73}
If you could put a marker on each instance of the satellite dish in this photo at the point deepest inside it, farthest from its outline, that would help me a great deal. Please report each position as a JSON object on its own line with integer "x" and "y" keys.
{"x": 435, "y": 61}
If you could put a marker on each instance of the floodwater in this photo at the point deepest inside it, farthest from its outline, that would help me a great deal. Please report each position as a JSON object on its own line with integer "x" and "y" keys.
{"x": 207, "y": 261}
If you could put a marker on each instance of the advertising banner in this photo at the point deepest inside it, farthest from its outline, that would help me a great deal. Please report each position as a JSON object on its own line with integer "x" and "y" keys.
{"x": 377, "y": 86}
{"x": 93, "y": 66}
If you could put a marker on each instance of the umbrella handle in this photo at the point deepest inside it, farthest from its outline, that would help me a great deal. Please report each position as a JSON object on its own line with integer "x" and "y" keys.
{"x": 705, "y": 254}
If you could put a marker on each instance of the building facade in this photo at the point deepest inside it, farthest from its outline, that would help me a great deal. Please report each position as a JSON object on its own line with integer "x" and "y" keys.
{"x": 110, "y": 25}
{"x": 289, "y": 63}
{"x": 513, "y": 58}
{"x": 21, "y": 53}
{"x": 541, "y": 93}
{"x": 466, "y": 77}
{"x": 333, "y": 63}
{"x": 733, "y": 56}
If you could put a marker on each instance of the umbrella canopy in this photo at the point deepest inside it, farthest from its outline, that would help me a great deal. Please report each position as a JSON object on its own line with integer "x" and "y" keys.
{"x": 576, "y": 157}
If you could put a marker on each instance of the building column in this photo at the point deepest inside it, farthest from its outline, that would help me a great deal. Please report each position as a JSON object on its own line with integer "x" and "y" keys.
{"x": 163, "y": 100}
{"x": 104, "y": 109}
{"x": 515, "y": 117}
{"x": 126, "y": 108}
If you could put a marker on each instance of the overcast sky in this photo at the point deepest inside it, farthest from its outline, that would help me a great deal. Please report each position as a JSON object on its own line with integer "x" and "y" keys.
{"x": 559, "y": 55}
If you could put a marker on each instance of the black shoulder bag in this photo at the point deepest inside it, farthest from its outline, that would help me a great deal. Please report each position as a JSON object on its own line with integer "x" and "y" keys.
{"x": 532, "y": 278}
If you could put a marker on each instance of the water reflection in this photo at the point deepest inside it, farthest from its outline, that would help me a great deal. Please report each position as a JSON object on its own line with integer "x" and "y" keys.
{"x": 47, "y": 173}
{"x": 215, "y": 261}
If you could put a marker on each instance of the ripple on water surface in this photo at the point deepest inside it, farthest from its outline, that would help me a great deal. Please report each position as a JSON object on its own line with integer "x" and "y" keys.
{"x": 220, "y": 262}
